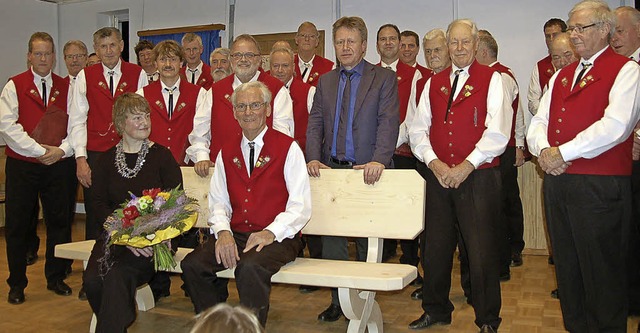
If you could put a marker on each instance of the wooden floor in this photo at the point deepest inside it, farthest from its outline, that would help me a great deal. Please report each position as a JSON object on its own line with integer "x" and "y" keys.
{"x": 526, "y": 304}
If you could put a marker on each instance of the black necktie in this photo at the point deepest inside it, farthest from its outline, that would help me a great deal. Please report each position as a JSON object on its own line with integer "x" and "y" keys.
{"x": 585, "y": 65}
{"x": 341, "y": 147}
{"x": 44, "y": 92}
{"x": 251, "y": 157}
{"x": 111, "y": 81}
{"x": 306, "y": 69}
{"x": 170, "y": 106}
{"x": 193, "y": 75}
{"x": 453, "y": 91}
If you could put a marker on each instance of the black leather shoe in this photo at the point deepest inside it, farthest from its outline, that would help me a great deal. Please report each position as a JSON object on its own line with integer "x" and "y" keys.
{"x": 417, "y": 294}
{"x": 426, "y": 320}
{"x": 505, "y": 277}
{"x": 554, "y": 294}
{"x": 307, "y": 289}
{"x": 516, "y": 259}
{"x": 60, "y": 288}
{"x": 32, "y": 257}
{"x": 417, "y": 282}
{"x": 16, "y": 296}
{"x": 332, "y": 313}
{"x": 550, "y": 260}
{"x": 82, "y": 295}
{"x": 488, "y": 329}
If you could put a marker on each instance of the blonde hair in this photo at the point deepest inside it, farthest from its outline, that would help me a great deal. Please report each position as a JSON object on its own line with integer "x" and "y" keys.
{"x": 128, "y": 104}
{"x": 223, "y": 318}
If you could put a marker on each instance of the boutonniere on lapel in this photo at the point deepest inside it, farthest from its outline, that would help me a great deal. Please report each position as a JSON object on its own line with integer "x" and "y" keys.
{"x": 236, "y": 161}
{"x": 181, "y": 106}
{"x": 444, "y": 90}
{"x": 54, "y": 95}
{"x": 564, "y": 81}
{"x": 103, "y": 85}
{"x": 550, "y": 71}
{"x": 227, "y": 97}
{"x": 467, "y": 90}
{"x": 160, "y": 104}
{"x": 262, "y": 161}
{"x": 313, "y": 76}
{"x": 202, "y": 80}
{"x": 122, "y": 86}
{"x": 584, "y": 81}
{"x": 399, "y": 78}
{"x": 34, "y": 93}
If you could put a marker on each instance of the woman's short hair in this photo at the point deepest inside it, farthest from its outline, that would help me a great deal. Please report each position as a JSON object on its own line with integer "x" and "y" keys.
{"x": 223, "y": 318}
{"x": 128, "y": 104}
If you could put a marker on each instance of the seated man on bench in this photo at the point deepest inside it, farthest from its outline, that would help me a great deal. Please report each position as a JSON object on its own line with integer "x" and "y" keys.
{"x": 259, "y": 201}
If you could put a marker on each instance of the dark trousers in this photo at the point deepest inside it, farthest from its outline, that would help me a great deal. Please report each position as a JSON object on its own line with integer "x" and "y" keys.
{"x": 473, "y": 208}
{"x": 634, "y": 244}
{"x": 409, "y": 247}
{"x": 253, "y": 273}
{"x": 54, "y": 185}
{"x": 33, "y": 241}
{"x": 111, "y": 294}
{"x": 588, "y": 219}
{"x": 93, "y": 228}
{"x": 511, "y": 208}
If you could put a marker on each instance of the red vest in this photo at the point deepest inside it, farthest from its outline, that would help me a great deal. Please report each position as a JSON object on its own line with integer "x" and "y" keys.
{"x": 421, "y": 83}
{"x": 320, "y": 66}
{"x": 205, "y": 80}
{"x": 424, "y": 70}
{"x": 172, "y": 133}
{"x": 545, "y": 71}
{"x": 514, "y": 106}
{"x": 223, "y": 125}
{"x": 405, "y": 74}
{"x": 299, "y": 92}
{"x": 30, "y": 106}
{"x": 572, "y": 111}
{"x": 454, "y": 140}
{"x": 257, "y": 200}
{"x": 101, "y": 133}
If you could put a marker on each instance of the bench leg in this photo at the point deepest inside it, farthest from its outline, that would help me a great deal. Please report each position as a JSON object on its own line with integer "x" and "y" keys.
{"x": 362, "y": 310}
{"x": 144, "y": 298}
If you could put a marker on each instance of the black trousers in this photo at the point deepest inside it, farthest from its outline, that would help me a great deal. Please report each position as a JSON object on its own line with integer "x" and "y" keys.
{"x": 33, "y": 241}
{"x": 54, "y": 184}
{"x": 634, "y": 243}
{"x": 93, "y": 228}
{"x": 588, "y": 219}
{"x": 471, "y": 209}
{"x": 511, "y": 207}
{"x": 253, "y": 273}
{"x": 112, "y": 295}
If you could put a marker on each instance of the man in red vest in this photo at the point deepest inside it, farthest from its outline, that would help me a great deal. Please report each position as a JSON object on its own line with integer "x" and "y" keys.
{"x": 459, "y": 132}
{"x": 213, "y": 127}
{"x": 220, "y": 63}
{"x": 543, "y": 70}
{"x": 582, "y": 137}
{"x": 626, "y": 41}
{"x": 259, "y": 201}
{"x": 309, "y": 65}
{"x": 195, "y": 71}
{"x": 33, "y": 113}
{"x": 75, "y": 58}
{"x": 144, "y": 54}
{"x": 409, "y": 49}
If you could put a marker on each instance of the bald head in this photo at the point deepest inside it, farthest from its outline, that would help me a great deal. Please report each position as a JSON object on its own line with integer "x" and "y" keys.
{"x": 562, "y": 51}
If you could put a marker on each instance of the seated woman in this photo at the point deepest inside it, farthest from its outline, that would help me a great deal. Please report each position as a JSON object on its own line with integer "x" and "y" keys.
{"x": 223, "y": 318}
{"x": 133, "y": 165}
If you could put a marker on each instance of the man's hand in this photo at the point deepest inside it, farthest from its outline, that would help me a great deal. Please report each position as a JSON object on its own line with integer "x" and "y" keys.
{"x": 551, "y": 161}
{"x": 372, "y": 171}
{"x": 259, "y": 239}
{"x": 52, "y": 155}
{"x": 202, "y": 168}
{"x": 83, "y": 171}
{"x": 226, "y": 250}
{"x": 636, "y": 147}
{"x": 458, "y": 174}
{"x": 145, "y": 251}
{"x": 313, "y": 168}
{"x": 439, "y": 169}
{"x": 519, "y": 157}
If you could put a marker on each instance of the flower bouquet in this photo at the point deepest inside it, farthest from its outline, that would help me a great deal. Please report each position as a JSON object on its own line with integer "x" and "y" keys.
{"x": 152, "y": 220}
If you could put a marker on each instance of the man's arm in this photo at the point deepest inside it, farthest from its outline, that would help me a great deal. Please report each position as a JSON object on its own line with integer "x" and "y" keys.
{"x": 13, "y": 133}
{"x": 200, "y": 136}
{"x": 388, "y": 120}
{"x": 315, "y": 133}
{"x": 535, "y": 93}
{"x": 283, "y": 112}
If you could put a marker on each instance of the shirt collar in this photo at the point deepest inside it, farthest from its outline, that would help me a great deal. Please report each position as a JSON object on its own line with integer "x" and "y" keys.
{"x": 38, "y": 79}
{"x": 259, "y": 140}
{"x": 593, "y": 57}
{"x": 465, "y": 69}
{"x": 237, "y": 82}
{"x": 177, "y": 85}
{"x": 288, "y": 84}
{"x": 636, "y": 54}
{"x": 359, "y": 68}
{"x": 393, "y": 65}
{"x": 199, "y": 67}
{"x": 115, "y": 68}
{"x": 301, "y": 62}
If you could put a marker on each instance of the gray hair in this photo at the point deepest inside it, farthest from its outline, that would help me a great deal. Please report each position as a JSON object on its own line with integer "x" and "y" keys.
{"x": 266, "y": 93}
{"x": 601, "y": 11}
{"x": 467, "y": 22}
{"x": 221, "y": 50}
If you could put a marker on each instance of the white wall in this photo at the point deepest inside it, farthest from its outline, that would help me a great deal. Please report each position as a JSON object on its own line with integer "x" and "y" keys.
{"x": 18, "y": 20}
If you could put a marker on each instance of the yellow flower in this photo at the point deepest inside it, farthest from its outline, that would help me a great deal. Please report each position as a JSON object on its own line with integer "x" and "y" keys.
{"x": 146, "y": 199}
{"x": 164, "y": 195}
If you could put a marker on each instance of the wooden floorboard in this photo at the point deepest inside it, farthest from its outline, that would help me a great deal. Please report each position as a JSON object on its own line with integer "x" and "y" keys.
{"x": 526, "y": 304}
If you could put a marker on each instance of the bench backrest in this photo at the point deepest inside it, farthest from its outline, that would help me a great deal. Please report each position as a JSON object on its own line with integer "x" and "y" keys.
{"x": 343, "y": 205}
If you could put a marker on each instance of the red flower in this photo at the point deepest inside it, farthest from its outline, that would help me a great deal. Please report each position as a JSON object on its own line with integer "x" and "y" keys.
{"x": 152, "y": 192}
{"x": 126, "y": 223}
{"x": 131, "y": 212}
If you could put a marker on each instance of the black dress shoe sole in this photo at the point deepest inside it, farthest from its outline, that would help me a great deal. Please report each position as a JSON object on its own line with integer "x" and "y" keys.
{"x": 17, "y": 298}
{"x": 434, "y": 323}
{"x": 331, "y": 314}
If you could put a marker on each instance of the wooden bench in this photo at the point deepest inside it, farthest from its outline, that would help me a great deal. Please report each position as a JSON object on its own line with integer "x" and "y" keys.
{"x": 342, "y": 206}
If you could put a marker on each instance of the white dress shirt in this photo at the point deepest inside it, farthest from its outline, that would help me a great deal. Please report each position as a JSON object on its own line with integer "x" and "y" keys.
{"x": 495, "y": 137}
{"x": 298, "y": 208}
{"x": 511, "y": 92}
{"x": 13, "y": 133}
{"x": 403, "y": 133}
{"x": 200, "y": 136}
{"x": 619, "y": 119}
{"x": 302, "y": 65}
{"x": 198, "y": 72}
{"x": 312, "y": 92}
{"x": 79, "y": 106}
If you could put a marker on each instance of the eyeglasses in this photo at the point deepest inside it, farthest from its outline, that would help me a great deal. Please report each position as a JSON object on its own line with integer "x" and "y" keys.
{"x": 248, "y": 55}
{"x": 74, "y": 56}
{"x": 252, "y": 106}
{"x": 305, "y": 36}
{"x": 578, "y": 29}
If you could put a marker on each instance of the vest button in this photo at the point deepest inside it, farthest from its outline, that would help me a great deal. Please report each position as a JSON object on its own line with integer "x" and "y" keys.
{"x": 169, "y": 139}
{"x": 450, "y": 122}
{"x": 245, "y": 211}
{"x": 169, "y": 129}
{"x": 557, "y": 131}
{"x": 246, "y": 221}
{"x": 451, "y": 155}
{"x": 451, "y": 113}
{"x": 559, "y": 120}
{"x": 450, "y": 133}
{"x": 249, "y": 190}
{"x": 246, "y": 200}
{"x": 450, "y": 144}
{"x": 563, "y": 109}
{"x": 557, "y": 143}
{"x": 453, "y": 165}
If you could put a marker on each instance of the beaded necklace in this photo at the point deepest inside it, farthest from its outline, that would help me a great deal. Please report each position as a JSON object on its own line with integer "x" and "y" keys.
{"x": 121, "y": 162}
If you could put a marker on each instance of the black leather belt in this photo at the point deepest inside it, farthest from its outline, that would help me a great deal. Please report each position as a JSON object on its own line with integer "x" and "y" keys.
{"x": 339, "y": 162}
